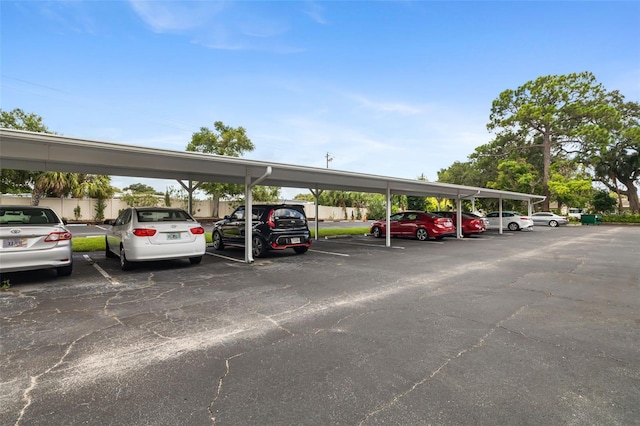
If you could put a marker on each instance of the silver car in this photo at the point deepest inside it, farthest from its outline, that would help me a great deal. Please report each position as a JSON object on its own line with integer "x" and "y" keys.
{"x": 549, "y": 219}
{"x": 34, "y": 238}
{"x": 154, "y": 233}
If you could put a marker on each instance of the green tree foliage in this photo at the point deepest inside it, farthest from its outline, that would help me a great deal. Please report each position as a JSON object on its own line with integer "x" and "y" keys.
{"x": 569, "y": 185}
{"x": 546, "y": 114}
{"x": 223, "y": 140}
{"x": 603, "y": 202}
{"x": 141, "y": 188}
{"x": 611, "y": 146}
{"x": 141, "y": 195}
{"x": 516, "y": 176}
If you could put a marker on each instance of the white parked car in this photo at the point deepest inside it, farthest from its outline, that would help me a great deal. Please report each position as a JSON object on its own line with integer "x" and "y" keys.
{"x": 511, "y": 220}
{"x": 34, "y": 238}
{"x": 549, "y": 219}
{"x": 154, "y": 233}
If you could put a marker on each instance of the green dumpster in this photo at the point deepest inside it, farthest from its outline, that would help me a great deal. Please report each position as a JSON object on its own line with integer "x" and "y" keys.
{"x": 591, "y": 219}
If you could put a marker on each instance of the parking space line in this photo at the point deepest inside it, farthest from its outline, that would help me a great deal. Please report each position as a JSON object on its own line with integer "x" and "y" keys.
{"x": 225, "y": 257}
{"x": 366, "y": 244}
{"x": 330, "y": 252}
{"x": 104, "y": 273}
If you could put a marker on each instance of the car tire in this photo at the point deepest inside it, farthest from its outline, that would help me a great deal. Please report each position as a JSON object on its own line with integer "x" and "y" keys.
{"x": 65, "y": 271}
{"x": 300, "y": 250}
{"x": 216, "y": 239}
{"x": 376, "y": 232}
{"x": 513, "y": 226}
{"x": 259, "y": 248}
{"x": 422, "y": 234}
{"x": 125, "y": 265}
{"x": 553, "y": 223}
{"x": 107, "y": 251}
{"x": 195, "y": 260}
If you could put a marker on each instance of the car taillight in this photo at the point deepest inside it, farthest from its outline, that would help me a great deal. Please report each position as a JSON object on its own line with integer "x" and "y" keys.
{"x": 270, "y": 221}
{"x": 58, "y": 236}
{"x": 197, "y": 231}
{"x": 144, "y": 232}
{"x": 524, "y": 218}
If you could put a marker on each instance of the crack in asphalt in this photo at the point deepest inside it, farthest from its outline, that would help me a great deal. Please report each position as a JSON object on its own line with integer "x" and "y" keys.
{"x": 26, "y": 396}
{"x": 473, "y": 347}
{"x": 212, "y": 414}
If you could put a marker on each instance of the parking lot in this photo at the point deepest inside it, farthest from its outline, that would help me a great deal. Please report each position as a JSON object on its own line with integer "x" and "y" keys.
{"x": 538, "y": 327}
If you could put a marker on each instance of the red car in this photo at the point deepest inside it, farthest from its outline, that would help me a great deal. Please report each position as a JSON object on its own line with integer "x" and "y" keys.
{"x": 470, "y": 224}
{"x": 416, "y": 224}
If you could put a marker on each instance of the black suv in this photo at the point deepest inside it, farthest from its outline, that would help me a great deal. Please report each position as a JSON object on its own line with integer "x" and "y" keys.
{"x": 275, "y": 227}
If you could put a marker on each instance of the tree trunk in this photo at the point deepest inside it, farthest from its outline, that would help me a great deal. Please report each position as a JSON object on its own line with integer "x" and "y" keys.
{"x": 632, "y": 194}
{"x": 35, "y": 197}
{"x": 216, "y": 207}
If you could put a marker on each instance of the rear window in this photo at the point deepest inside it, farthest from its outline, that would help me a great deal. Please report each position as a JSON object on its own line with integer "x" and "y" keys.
{"x": 163, "y": 216}
{"x": 27, "y": 216}
{"x": 288, "y": 213}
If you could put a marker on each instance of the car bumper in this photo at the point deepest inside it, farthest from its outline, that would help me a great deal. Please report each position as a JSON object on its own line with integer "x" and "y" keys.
{"x": 143, "y": 252}
{"x": 36, "y": 259}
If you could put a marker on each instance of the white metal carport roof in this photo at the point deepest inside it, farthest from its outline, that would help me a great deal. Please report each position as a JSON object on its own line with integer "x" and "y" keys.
{"x": 23, "y": 150}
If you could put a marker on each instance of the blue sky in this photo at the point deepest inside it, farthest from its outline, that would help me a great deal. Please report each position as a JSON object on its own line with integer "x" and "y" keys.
{"x": 398, "y": 88}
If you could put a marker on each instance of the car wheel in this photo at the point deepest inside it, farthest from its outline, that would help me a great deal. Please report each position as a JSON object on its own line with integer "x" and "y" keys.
{"x": 216, "y": 238}
{"x": 65, "y": 271}
{"x": 259, "y": 247}
{"x": 195, "y": 260}
{"x": 300, "y": 250}
{"x": 376, "y": 232}
{"x": 107, "y": 251}
{"x": 422, "y": 234}
{"x": 125, "y": 265}
{"x": 513, "y": 226}
{"x": 553, "y": 223}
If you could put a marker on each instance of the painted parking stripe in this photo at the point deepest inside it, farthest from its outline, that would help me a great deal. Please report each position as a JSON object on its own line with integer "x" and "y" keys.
{"x": 330, "y": 252}
{"x": 104, "y": 273}
{"x": 366, "y": 244}
{"x": 225, "y": 257}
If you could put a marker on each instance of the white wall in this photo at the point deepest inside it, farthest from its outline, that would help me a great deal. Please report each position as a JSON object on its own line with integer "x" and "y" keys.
{"x": 64, "y": 207}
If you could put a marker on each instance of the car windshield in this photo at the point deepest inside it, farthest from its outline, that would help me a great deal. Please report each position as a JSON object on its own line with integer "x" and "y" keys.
{"x": 27, "y": 216}
{"x": 163, "y": 216}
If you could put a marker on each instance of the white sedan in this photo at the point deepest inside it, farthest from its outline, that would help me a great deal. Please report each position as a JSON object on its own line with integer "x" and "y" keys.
{"x": 34, "y": 238}
{"x": 549, "y": 219}
{"x": 511, "y": 220}
{"x": 154, "y": 233}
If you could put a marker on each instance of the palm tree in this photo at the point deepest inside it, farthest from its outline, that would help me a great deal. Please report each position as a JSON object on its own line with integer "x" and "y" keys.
{"x": 58, "y": 184}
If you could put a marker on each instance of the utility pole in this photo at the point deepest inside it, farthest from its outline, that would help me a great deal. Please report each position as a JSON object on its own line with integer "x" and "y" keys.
{"x": 329, "y": 158}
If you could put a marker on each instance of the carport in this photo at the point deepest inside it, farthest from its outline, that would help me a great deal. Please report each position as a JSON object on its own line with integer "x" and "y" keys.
{"x": 23, "y": 150}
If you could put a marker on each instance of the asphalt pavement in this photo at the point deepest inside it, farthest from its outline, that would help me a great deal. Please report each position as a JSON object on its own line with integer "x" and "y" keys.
{"x": 523, "y": 328}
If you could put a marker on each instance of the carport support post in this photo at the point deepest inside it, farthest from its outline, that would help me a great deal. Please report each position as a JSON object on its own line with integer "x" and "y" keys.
{"x": 317, "y": 193}
{"x": 388, "y": 227}
{"x": 500, "y": 214}
{"x": 190, "y": 190}
{"x": 248, "y": 220}
{"x": 459, "y": 217}
{"x": 248, "y": 212}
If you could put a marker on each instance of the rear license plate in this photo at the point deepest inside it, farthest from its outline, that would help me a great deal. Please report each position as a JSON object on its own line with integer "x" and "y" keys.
{"x": 295, "y": 241}
{"x": 173, "y": 236}
{"x": 14, "y": 243}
